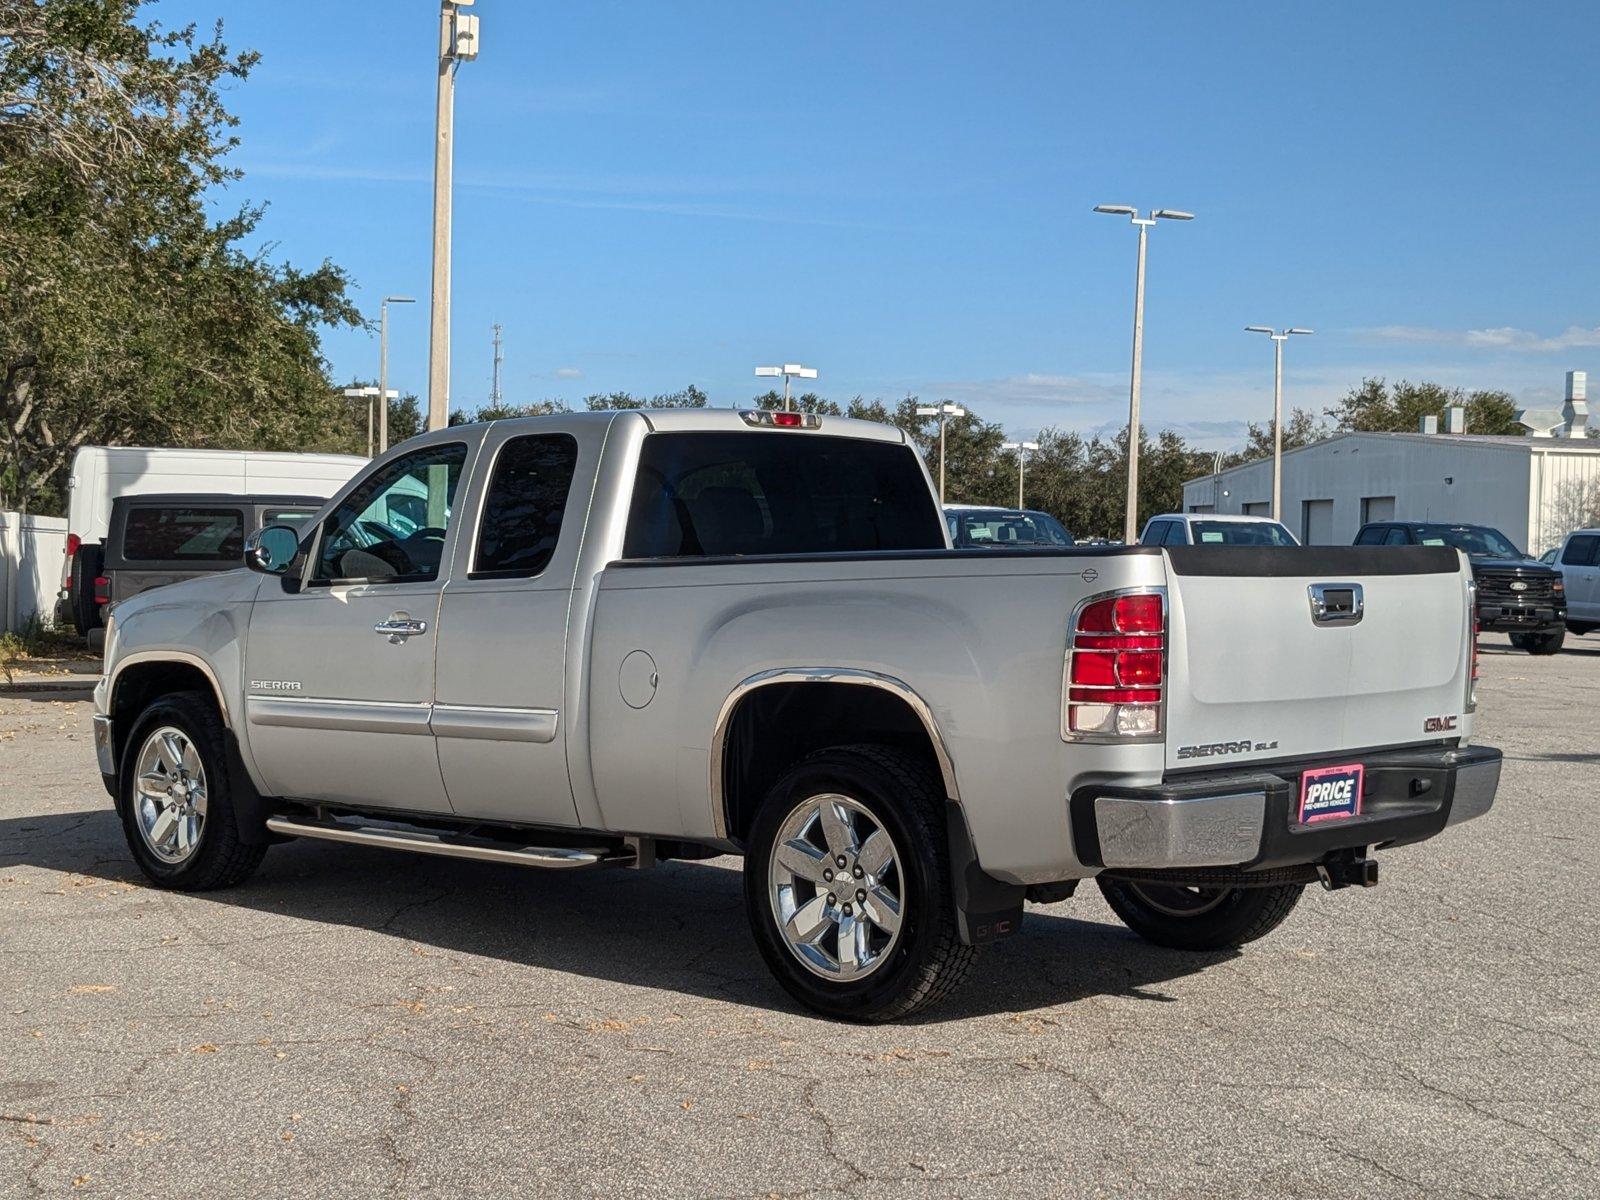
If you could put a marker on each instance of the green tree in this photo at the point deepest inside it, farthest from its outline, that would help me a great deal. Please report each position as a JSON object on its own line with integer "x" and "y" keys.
{"x": 504, "y": 412}
{"x": 128, "y": 313}
{"x": 1378, "y": 407}
{"x": 1300, "y": 428}
{"x": 689, "y": 397}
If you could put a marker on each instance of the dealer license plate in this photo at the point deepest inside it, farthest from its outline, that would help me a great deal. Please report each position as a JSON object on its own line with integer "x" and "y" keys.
{"x": 1330, "y": 794}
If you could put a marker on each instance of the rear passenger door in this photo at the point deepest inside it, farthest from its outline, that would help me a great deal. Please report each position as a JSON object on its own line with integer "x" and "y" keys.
{"x": 498, "y": 706}
{"x": 1581, "y": 574}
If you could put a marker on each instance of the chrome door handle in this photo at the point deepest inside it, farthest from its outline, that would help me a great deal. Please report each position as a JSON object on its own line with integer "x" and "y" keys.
{"x": 399, "y": 627}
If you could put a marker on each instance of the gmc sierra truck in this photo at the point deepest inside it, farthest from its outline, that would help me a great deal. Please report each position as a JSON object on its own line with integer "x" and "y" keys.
{"x": 604, "y": 640}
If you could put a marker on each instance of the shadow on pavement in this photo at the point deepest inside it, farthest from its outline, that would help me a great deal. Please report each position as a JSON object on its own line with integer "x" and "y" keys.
{"x": 679, "y": 927}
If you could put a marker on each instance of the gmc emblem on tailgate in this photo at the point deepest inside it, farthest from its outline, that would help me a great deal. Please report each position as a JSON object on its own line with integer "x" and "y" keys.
{"x": 1438, "y": 724}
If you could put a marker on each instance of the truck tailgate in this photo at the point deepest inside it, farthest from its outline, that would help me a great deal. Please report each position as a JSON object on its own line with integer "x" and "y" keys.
{"x": 1252, "y": 674}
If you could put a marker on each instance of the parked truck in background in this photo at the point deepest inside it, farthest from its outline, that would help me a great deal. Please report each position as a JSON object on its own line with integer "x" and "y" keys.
{"x": 99, "y": 474}
{"x": 630, "y": 636}
{"x": 1516, "y": 595}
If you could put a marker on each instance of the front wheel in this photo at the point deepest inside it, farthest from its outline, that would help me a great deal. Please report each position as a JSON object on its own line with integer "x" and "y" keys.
{"x": 1546, "y": 643}
{"x": 847, "y": 885}
{"x": 177, "y": 806}
{"x": 1199, "y": 918}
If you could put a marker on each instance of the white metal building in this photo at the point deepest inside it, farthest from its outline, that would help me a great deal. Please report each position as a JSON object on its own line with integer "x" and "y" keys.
{"x": 1533, "y": 489}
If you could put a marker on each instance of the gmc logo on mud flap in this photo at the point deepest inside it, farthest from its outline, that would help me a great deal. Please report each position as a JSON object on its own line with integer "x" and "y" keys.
{"x": 1439, "y": 724}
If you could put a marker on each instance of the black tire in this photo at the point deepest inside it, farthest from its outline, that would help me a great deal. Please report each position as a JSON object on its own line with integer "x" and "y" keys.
{"x": 1222, "y": 918}
{"x": 929, "y": 960}
{"x": 1520, "y": 641}
{"x": 219, "y": 859}
{"x": 85, "y": 612}
{"x": 1546, "y": 643}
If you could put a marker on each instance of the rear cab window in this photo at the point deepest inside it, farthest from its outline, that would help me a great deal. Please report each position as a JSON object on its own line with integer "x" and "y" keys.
{"x": 524, "y": 506}
{"x": 715, "y": 494}
{"x": 170, "y": 534}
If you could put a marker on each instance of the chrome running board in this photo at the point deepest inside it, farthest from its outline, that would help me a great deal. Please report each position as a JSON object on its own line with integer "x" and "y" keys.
{"x": 421, "y": 841}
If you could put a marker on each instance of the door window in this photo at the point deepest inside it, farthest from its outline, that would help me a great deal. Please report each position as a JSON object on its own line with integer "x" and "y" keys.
{"x": 1580, "y": 551}
{"x": 522, "y": 512}
{"x": 1371, "y": 536}
{"x": 391, "y": 529}
{"x": 1396, "y": 537}
{"x": 1156, "y": 534}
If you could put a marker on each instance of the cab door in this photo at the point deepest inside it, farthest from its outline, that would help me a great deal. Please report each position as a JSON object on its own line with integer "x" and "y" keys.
{"x": 339, "y": 660}
{"x": 1581, "y": 574}
{"x": 499, "y": 716}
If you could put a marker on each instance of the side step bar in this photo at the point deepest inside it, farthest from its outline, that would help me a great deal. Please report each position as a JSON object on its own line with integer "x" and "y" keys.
{"x": 420, "y": 841}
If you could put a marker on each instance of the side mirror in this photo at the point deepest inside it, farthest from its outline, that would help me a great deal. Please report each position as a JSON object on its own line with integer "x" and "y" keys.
{"x": 271, "y": 550}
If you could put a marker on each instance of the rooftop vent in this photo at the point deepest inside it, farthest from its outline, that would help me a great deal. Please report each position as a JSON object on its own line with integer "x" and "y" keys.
{"x": 1575, "y": 412}
{"x": 1455, "y": 419}
{"x": 1429, "y": 423}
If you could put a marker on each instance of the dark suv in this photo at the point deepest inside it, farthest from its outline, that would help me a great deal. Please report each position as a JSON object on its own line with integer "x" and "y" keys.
{"x": 1517, "y": 595}
{"x": 157, "y": 539}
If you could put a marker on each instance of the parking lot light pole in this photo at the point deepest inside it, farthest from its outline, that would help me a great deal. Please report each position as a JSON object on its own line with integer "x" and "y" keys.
{"x": 788, "y": 371}
{"x": 369, "y": 394}
{"x": 1279, "y": 337}
{"x": 1022, "y": 449}
{"x": 458, "y": 43}
{"x": 383, "y": 369}
{"x": 1130, "y": 524}
{"x": 944, "y": 412}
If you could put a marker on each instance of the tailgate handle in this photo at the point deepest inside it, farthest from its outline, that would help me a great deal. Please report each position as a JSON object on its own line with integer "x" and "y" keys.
{"x": 1336, "y": 603}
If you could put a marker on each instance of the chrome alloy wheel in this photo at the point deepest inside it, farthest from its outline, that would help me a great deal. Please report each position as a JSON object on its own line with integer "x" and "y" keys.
{"x": 836, "y": 887}
{"x": 169, "y": 794}
{"x": 1177, "y": 901}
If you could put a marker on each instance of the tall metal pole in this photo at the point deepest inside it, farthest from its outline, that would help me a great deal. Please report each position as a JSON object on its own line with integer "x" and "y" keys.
{"x": 383, "y": 379}
{"x": 494, "y": 388}
{"x": 941, "y": 455}
{"x": 1130, "y": 522}
{"x": 1020, "y": 458}
{"x": 443, "y": 161}
{"x": 786, "y": 391}
{"x": 1277, "y": 427}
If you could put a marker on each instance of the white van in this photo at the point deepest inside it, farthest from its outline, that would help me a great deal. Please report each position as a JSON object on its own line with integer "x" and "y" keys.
{"x": 102, "y": 473}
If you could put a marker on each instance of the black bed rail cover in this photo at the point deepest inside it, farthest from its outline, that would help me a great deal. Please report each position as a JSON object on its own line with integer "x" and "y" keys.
{"x": 1325, "y": 561}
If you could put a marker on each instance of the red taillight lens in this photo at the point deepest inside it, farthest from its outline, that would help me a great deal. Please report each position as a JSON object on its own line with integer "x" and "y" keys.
{"x": 102, "y": 590}
{"x": 789, "y": 420}
{"x": 1116, "y": 667}
{"x": 1472, "y": 673}
{"x": 73, "y": 542}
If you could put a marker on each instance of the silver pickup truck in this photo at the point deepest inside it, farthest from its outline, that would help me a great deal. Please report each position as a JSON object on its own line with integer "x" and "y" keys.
{"x": 609, "y": 639}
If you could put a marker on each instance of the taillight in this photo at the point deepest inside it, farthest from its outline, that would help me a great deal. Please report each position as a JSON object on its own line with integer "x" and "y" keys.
{"x": 102, "y": 590}
{"x": 1472, "y": 655}
{"x": 73, "y": 542}
{"x": 1116, "y": 668}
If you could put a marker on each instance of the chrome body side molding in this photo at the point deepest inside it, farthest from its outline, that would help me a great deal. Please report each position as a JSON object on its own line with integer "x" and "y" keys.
{"x": 495, "y": 724}
{"x": 348, "y": 716}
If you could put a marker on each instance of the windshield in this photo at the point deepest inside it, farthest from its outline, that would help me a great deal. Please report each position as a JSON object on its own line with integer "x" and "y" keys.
{"x": 1479, "y": 541}
{"x": 1241, "y": 533}
{"x": 1009, "y": 528}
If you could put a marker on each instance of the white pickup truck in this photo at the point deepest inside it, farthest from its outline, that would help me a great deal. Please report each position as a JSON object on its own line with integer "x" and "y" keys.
{"x": 616, "y": 638}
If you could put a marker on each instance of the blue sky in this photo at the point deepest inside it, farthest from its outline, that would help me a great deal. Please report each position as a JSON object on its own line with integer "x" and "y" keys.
{"x": 899, "y": 194}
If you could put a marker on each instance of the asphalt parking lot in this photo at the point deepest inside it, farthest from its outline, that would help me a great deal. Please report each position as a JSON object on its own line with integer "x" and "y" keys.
{"x": 353, "y": 1022}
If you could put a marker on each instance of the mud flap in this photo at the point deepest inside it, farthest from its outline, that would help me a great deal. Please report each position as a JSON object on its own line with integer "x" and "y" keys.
{"x": 986, "y": 908}
{"x": 250, "y": 807}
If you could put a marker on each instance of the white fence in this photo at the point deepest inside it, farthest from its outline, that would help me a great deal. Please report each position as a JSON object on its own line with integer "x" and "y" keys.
{"x": 31, "y": 550}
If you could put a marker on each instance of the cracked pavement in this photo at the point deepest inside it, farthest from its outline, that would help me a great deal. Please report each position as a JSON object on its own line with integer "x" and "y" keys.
{"x": 357, "y": 1022}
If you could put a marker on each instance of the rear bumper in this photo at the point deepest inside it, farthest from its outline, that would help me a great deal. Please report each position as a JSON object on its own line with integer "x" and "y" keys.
{"x": 1247, "y": 818}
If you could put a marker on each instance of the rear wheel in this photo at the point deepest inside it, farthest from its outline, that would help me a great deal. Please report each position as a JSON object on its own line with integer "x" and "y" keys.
{"x": 847, "y": 885}
{"x": 85, "y": 612}
{"x": 1199, "y": 918}
{"x": 177, "y": 806}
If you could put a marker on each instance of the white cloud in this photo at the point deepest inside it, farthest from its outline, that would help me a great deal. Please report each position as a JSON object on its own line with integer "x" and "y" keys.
{"x": 1030, "y": 389}
{"x": 1504, "y": 337}
{"x": 568, "y": 373}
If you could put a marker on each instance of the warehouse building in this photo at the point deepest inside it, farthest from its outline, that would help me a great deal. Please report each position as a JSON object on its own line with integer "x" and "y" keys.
{"x": 1534, "y": 489}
